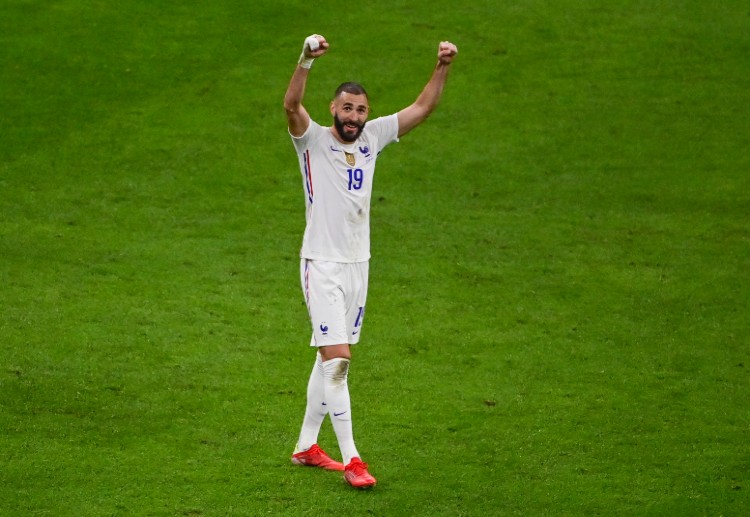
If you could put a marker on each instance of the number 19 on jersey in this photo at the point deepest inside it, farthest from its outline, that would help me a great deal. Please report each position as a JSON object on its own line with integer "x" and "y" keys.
{"x": 356, "y": 176}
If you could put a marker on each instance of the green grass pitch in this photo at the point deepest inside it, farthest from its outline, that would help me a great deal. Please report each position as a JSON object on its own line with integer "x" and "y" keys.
{"x": 558, "y": 312}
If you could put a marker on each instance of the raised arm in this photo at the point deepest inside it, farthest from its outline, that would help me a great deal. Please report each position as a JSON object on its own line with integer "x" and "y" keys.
{"x": 414, "y": 114}
{"x": 296, "y": 114}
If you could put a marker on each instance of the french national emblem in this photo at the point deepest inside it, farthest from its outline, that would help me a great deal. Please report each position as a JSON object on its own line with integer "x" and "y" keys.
{"x": 350, "y": 158}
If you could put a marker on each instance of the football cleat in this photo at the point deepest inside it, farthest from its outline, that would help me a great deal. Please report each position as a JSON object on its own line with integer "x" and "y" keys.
{"x": 316, "y": 457}
{"x": 357, "y": 476}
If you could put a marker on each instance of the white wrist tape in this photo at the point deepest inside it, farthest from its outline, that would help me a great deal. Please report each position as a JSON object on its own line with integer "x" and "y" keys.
{"x": 305, "y": 62}
{"x": 312, "y": 44}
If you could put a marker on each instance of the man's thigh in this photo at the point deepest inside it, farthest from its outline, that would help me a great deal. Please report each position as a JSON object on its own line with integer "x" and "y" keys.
{"x": 335, "y": 295}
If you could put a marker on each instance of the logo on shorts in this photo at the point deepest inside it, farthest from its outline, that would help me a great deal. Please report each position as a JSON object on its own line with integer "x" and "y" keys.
{"x": 324, "y": 329}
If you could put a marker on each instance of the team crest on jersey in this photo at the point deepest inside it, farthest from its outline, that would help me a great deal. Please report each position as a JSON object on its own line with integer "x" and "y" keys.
{"x": 350, "y": 158}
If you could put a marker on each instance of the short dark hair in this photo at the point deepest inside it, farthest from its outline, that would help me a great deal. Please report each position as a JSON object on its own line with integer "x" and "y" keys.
{"x": 351, "y": 87}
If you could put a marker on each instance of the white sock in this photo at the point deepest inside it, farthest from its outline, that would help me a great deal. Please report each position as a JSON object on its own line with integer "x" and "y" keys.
{"x": 316, "y": 409}
{"x": 335, "y": 374}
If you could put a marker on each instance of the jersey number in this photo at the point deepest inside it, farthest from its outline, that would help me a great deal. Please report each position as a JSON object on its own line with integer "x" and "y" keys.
{"x": 356, "y": 176}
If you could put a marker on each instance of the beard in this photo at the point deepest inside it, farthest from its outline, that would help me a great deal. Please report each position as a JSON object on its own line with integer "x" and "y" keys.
{"x": 342, "y": 131}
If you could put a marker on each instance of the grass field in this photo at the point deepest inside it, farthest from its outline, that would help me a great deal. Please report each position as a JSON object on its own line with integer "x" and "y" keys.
{"x": 560, "y": 283}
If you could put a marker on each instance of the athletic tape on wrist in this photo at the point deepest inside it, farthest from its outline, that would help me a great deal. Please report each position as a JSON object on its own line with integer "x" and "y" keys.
{"x": 311, "y": 43}
{"x": 305, "y": 62}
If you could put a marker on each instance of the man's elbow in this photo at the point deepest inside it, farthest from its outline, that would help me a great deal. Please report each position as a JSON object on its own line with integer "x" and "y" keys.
{"x": 292, "y": 104}
{"x": 423, "y": 114}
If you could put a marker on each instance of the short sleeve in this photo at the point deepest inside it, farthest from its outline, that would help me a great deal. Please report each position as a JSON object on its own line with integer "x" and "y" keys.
{"x": 302, "y": 142}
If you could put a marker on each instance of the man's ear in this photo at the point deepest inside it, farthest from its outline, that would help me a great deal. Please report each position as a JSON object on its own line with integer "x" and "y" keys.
{"x": 331, "y": 108}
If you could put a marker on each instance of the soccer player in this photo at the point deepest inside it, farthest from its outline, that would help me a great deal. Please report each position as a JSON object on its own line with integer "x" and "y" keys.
{"x": 337, "y": 165}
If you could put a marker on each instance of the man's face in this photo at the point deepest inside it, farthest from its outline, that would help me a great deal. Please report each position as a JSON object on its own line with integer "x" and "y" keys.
{"x": 350, "y": 113}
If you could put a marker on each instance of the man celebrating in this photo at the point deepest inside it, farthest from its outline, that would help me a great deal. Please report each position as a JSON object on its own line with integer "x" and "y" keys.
{"x": 337, "y": 165}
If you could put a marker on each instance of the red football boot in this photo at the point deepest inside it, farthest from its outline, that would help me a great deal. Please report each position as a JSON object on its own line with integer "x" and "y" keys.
{"x": 357, "y": 476}
{"x": 316, "y": 457}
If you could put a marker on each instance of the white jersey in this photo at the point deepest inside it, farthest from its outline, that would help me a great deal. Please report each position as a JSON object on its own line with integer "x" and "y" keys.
{"x": 337, "y": 179}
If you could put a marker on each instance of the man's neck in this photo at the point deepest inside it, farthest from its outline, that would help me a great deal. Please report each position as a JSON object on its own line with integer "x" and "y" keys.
{"x": 338, "y": 138}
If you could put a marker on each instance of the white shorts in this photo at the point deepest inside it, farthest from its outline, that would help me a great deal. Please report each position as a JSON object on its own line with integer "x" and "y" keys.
{"x": 335, "y": 294}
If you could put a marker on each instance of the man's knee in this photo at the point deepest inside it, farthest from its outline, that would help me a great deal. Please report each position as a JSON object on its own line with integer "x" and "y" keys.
{"x": 335, "y": 351}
